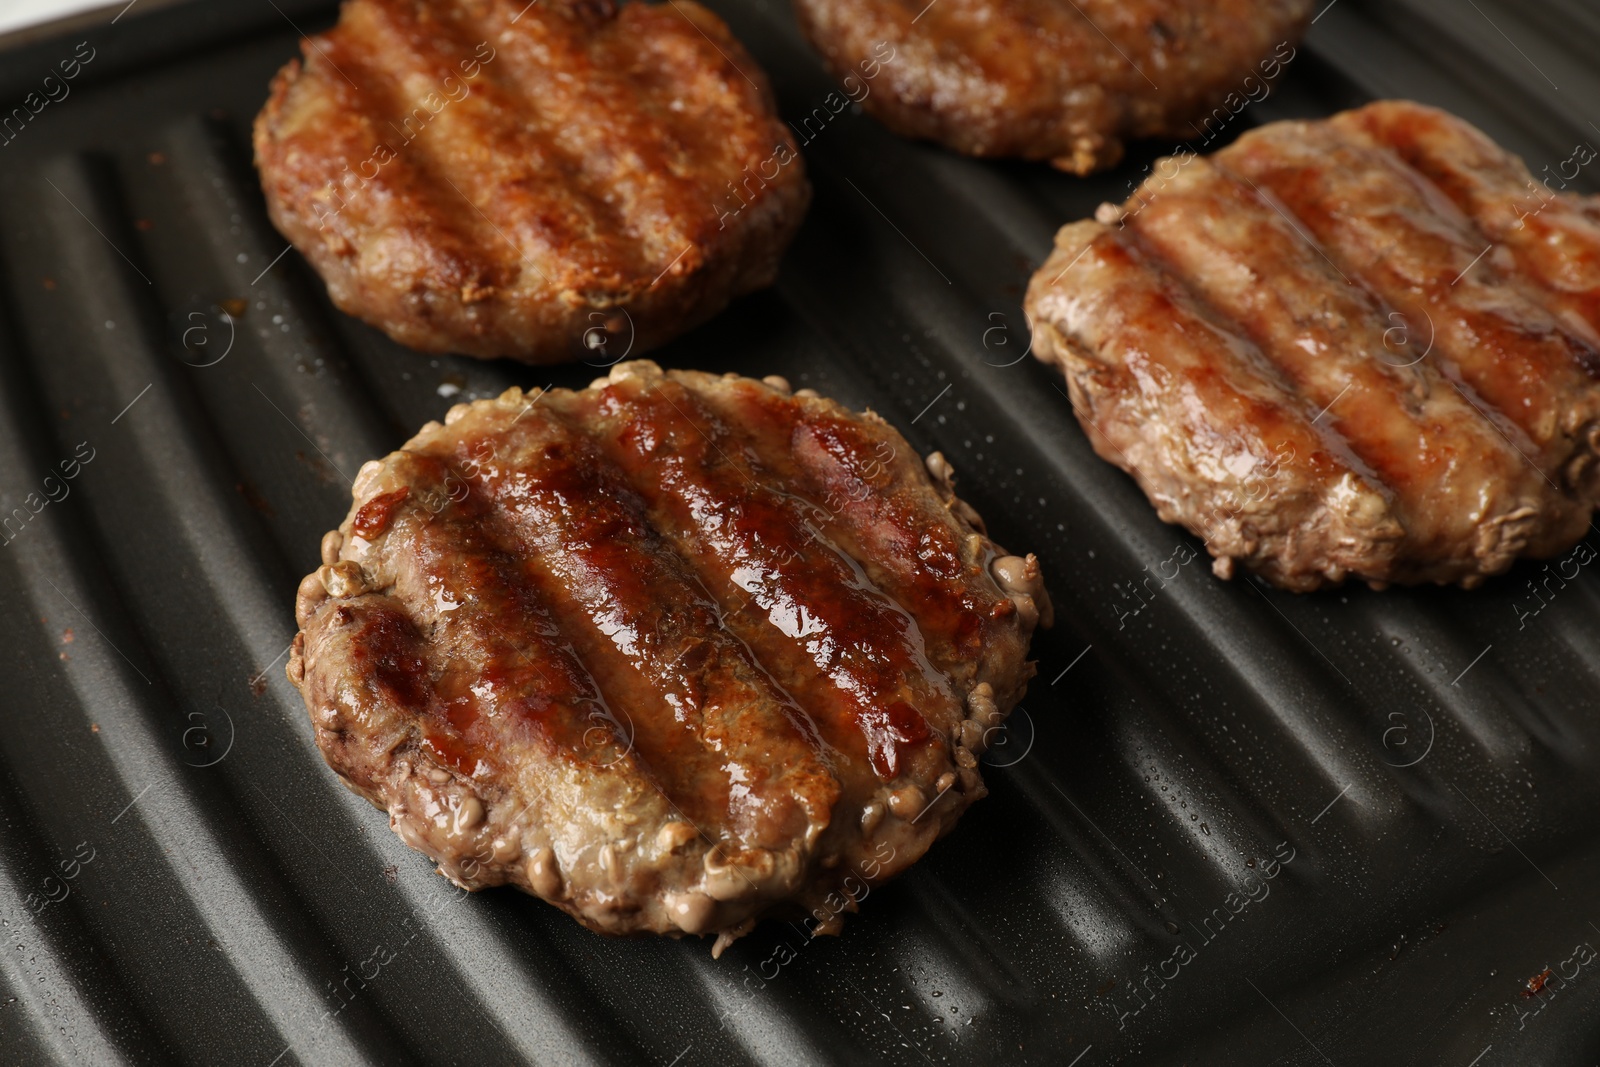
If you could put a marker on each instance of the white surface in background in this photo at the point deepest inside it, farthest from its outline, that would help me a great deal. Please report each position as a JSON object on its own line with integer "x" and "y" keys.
{"x": 15, "y": 14}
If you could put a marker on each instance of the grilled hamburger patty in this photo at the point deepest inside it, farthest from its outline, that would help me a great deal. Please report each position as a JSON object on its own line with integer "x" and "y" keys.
{"x": 1332, "y": 350}
{"x": 668, "y": 652}
{"x": 498, "y": 178}
{"x": 1043, "y": 79}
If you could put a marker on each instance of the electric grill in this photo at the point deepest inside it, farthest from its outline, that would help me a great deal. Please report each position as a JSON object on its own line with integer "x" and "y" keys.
{"x": 1228, "y": 824}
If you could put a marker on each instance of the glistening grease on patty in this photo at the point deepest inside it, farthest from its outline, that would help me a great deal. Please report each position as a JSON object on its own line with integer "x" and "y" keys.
{"x": 672, "y": 652}
{"x": 1354, "y": 348}
{"x": 497, "y": 178}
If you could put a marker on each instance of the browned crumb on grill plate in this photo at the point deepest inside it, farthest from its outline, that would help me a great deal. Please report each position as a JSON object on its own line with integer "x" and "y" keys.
{"x": 1042, "y": 79}
{"x": 538, "y": 181}
{"x": 1365, "y": 347}
{"x": 672, "y": 652}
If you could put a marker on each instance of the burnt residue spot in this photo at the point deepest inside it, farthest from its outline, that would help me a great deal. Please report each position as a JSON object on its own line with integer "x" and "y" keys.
{"x": 253, "y": 497}
{"x": 1537, "y": 983}
{"x": 390, "y": 873}
{"x": 258, "y": 684}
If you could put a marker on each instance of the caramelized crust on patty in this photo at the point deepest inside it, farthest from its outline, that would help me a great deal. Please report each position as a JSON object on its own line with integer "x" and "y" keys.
{"x": 670, "y": 652}
{"x": 1334, "y": 349}
{"x": 536, "y": 181}
{"x": 1042, "y": 79}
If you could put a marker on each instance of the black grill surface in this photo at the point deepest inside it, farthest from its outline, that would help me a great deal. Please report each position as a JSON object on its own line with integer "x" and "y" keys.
{"x": 1229, "y": 825}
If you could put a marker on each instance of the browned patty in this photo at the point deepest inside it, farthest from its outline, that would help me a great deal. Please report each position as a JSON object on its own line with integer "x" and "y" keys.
{"x": 1333, "y": 350}
{"x": 1047, "y": 79}
{"x": 670, "y": 652}
{"x": 498, "y": 178}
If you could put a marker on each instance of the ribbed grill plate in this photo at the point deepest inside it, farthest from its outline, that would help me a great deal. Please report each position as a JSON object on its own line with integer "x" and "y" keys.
{"x": 182, "y": 879}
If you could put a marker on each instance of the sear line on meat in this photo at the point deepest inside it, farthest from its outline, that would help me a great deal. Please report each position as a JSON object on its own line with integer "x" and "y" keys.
{"x": 671, "y": 652}
{"x": 1043, "y": 79}
{"x": 499, "y": 178}
{"x": 1363, "y": 347}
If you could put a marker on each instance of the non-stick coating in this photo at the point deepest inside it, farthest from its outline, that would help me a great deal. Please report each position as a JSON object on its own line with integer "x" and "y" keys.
{"x": 1230, "y": 825}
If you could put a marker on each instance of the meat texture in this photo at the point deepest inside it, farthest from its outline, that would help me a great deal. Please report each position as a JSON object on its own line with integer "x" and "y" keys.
{"x": 670, "y": 652}
{"x": 1334, "y": 349}
{"x": 1042, "y": 79}
{"x": 539, "y": 181}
